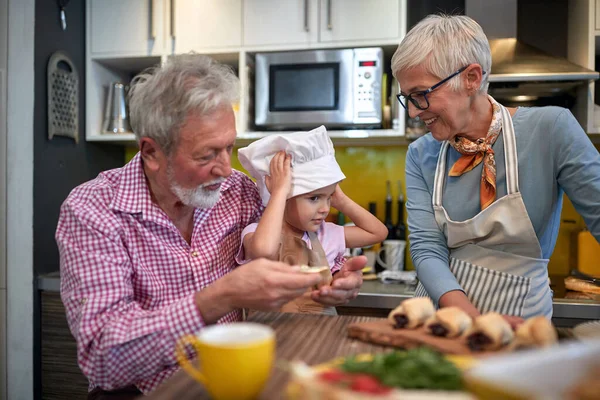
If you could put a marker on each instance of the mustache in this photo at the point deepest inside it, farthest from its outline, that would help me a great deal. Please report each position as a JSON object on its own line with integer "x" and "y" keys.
{"x": 215, "y": 182}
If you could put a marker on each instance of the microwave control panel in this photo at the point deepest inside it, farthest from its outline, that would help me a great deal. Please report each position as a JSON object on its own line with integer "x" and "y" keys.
{"x": 368, "y": 72}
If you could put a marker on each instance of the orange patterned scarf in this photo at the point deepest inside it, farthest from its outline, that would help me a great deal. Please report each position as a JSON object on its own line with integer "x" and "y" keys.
{"x": 480, "y": 150}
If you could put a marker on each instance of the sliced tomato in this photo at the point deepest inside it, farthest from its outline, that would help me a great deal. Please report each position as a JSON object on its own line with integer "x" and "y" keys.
{"x": 333, "y": 375}
{"x": 368, "y": 384}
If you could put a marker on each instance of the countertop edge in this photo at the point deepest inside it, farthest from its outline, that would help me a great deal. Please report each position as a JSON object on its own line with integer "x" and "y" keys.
{"x": 369, "y": 298}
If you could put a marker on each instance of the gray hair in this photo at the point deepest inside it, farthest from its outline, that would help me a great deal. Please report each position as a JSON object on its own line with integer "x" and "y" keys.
{"x": 161, "y": 97}
{"x": 444, "y": 44}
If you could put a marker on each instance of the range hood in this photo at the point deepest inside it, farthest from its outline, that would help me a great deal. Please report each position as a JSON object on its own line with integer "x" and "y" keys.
{"x": 514, "y": 61}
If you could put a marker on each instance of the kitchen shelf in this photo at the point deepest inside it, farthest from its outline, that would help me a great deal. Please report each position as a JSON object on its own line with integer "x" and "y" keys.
{"x": 353, "y": 137}
{"x": 115, "y": 138}
{"x": 347, "y": 138}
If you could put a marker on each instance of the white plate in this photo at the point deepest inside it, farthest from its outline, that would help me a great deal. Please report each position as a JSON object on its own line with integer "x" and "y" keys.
{"x": 543, "y": 374}
{"x": 587, "y": 330}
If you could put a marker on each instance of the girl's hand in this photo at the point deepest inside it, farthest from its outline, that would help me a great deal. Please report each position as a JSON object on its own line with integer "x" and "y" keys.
{"x": 280, "y": 179}
{"x": 338, "y": 199}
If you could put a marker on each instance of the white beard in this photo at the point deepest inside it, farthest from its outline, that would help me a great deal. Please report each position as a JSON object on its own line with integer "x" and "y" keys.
{"x": 197, "y": 197}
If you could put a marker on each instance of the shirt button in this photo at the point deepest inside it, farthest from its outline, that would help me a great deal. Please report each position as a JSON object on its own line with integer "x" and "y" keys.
{"x": 83, "y": 301}
{"x": 194, "y": 253}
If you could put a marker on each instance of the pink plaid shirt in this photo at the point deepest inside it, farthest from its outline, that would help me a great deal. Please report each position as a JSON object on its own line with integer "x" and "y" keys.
{"x": 128, "y": 277}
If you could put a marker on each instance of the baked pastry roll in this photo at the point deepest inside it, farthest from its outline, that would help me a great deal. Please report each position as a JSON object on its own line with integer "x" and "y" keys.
{"x": 449, "y": 322}
{"x": 489, "y": 332}
{"x": 579, "y": 285}
{"x": 536, "y": 332}
{"x": 324, "y": 271}
{"x": 412, "y": 313}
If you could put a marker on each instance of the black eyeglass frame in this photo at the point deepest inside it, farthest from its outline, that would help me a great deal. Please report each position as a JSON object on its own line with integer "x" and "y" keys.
{"x": 424, "y": 93}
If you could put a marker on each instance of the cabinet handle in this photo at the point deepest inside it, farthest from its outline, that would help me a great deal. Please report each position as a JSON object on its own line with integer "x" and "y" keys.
{"x": 151, "y": 31}
{"x": 173, "y": 19}
{"x": 306, "y": 27}
{"x": 329, "y": 25}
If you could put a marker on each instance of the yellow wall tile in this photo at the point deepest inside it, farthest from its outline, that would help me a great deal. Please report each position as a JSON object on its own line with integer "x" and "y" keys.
{"x": 368, "y": 168}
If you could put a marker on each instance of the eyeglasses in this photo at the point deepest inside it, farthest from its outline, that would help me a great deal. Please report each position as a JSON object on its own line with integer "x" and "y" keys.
{"x": 419, "y": 98}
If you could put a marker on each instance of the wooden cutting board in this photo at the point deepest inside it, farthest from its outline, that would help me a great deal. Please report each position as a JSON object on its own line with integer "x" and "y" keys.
{"x": 382, "y": 332}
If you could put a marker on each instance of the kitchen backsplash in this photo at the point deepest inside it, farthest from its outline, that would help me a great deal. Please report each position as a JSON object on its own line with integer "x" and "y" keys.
{"x": 368, "y": 168}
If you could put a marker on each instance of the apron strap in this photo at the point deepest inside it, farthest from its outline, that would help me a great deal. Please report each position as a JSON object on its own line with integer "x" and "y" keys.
{"x": 510, "y": 161}
{"x": 510, "y": 153}
{"x": 316, "y": 244}
{"x": 440, "y": 170}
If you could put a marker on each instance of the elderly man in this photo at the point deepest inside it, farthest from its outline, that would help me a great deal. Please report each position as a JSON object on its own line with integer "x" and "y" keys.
{"x": 147, "y": 251}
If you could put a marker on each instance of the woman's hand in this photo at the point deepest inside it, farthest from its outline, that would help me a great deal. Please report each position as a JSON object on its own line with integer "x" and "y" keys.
{"x": 513, "y": 321}
{"x": 458, "y": 299}
{"x": 280, "y": 178}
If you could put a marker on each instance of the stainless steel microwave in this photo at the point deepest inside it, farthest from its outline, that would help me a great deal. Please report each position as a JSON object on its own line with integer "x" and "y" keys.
{"x": 304, "y": 89}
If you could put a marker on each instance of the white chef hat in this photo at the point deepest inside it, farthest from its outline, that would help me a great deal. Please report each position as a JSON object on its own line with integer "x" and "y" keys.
{"x": 313, "y": 160}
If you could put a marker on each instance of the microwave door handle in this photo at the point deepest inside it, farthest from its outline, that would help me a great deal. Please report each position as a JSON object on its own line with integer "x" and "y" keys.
{"x": 172, "y": 22}
{"x": 306, "y": 27}
{"x": 329, "y": 26}
{"x": 151, "y": 31}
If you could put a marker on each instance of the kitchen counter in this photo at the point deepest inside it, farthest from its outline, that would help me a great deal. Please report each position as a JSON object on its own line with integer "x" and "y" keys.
{"x": 376, "y": 295}
{"x": 566, "y": 312}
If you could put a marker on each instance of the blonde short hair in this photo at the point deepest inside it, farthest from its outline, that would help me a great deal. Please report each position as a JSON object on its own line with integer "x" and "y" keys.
{"x": 444, "y": 44}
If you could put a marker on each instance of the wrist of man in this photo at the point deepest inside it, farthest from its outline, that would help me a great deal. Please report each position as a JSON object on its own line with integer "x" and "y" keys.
{"x": 215, "y": 301}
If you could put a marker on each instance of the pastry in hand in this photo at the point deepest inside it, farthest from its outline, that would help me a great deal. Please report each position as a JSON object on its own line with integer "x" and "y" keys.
{"x": 324, "y": 271}
{"x": 449, "y": 322}
{"x": 489, "y": 332}
{"x": 412, "y": 313}
{"x": 536, "y": 332}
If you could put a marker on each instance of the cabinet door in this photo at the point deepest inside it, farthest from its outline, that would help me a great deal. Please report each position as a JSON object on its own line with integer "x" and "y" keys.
{"x": 273, "y": 22}
{"x": 356, "y": 20}
{"x": 132, "y": 27}
{"x": 597, "y": 24}
{"x": 3, "y": 355}
{"x": 205, "y": 24}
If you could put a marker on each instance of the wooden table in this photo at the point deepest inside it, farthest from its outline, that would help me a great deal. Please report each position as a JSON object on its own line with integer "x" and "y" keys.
{"x": 311, "y": 338}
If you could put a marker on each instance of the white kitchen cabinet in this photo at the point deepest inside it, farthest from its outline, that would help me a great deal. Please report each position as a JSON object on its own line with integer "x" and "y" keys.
{"x": 126, "y": 27}
{"x": 583, "y": 47}
{"x": 126, "y": 36}
{"x": 322, "y": 23}
{"x": 358, "y": 20}
{"x": 3, "y": 355}
{"x": 268, "y": 22}
{"x": 205, "y": 24}
{"x": 597, "y": 15}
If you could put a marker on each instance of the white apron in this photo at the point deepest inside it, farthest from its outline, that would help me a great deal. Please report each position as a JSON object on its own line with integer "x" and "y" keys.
{"x": 513, "y": 280}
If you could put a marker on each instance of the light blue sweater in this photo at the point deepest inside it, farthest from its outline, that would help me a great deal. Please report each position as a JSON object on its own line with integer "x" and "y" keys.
{"x": 554, "y": 154}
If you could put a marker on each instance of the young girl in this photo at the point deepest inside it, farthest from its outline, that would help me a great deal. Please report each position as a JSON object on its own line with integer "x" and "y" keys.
{"x": 297, "y": 176}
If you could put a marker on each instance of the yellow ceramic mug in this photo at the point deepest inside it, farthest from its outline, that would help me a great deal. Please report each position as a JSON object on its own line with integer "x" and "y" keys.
{"x": 236, "y": 359}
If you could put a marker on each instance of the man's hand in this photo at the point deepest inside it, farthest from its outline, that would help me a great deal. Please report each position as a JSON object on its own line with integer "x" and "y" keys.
{"x": 261, "y": 285}
{"x": 345, "y": 284}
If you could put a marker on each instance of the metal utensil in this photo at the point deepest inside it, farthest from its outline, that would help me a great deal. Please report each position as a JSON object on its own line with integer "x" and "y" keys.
{"x": 63, "y": 97}
{"x": 116, "y": 118}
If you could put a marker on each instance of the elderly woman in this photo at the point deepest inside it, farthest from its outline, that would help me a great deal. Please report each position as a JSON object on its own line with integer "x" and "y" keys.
{"x": 485, "y": 187}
